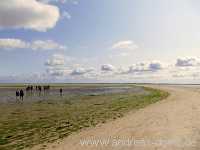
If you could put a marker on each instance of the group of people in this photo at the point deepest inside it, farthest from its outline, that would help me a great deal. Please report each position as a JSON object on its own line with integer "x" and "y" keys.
{"x": 38, "y": 88}
{"x": 29, "y": 90}
{"x": 20, "y": 94}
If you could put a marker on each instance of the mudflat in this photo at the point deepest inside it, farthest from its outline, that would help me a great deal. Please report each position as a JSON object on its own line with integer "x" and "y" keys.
{"x": 43, "y": 118}
{"x": 171, "y": 124}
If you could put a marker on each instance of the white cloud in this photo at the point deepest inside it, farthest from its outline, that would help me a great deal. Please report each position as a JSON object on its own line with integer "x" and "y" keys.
{"x": 81, "y": 71}
{"x": 64, "y": 71}
{"x": 187, "y": 62}
{"x": 189, "y": 74}
{"x": 46, "y": 45}
{"x": 28, "y": 14}
{"x": 66, "y": 15}
{"x": 35, "y": 45}
{"x": 62, "y": 66}
{"x": 58, "y": 71}
{"x": 186, "y": 68}
{"x": 56, "y": 60}
{"x": 107, "y": 68}
{"x": 125, "y": 45}
{"x": 56, "y": 65}
{"x": 75, "y": 2}
{"x": 13, "y": 43}
{"x": 143, "y": 67}
{"x": 59, "y": 68}
{"x": 54, "y": 1}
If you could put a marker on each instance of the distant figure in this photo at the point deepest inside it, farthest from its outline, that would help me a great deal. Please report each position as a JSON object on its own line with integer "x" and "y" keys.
{"x": 61, "y": 91}
{"x": 17, "y": 94}
{"x": 40, "y": 90}
{"x": 21, "y": 94}
{"x": 36, "y": 87}
{"x": 31, "y": 88}
{"x": 28, "y": 88}
{"x": 46, "y": 89}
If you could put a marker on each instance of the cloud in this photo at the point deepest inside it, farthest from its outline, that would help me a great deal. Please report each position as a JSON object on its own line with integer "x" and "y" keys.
{"x": 56, "y": 65}
{"x": 125, "y": 45}
{"x": 187, "y": 74}
{"x": 107, "y": 68}
{"x": 58, "y": 71}
{"x": 81, "y": 71}
{"x": 59, "y": 65}
{"x": 143, "y": 67}
{"x": 53, "y": 1}
{"x": 75, "y": 2}
{"x": 9, "y": 44}
{"x": 28, "y": 14}
{"x": 187, "y": 62}
{"x": 66, "y": 15}
{"x": 61, "y": 68}
{"x": 64, "y": 71}
{"x": 56, "y": 60}
{"x": 46, "y": 45}
{"x": 13, "y": 43}
{"x": 186, "y": 68}
{"x": 154, "y": 66}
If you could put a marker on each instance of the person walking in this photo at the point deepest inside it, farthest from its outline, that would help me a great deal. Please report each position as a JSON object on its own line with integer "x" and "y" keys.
{"x": 61, "y": 91}
{"x": 40, "y": 90}
{"x": 17, "y": 94}
{"x": 21, "y": 93}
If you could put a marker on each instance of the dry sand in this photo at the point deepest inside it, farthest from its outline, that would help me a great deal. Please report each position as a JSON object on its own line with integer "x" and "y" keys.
{"x": 171, "y": 124}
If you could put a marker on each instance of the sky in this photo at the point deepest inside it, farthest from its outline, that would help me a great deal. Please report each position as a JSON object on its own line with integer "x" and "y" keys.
{"x": 155, "y": 41}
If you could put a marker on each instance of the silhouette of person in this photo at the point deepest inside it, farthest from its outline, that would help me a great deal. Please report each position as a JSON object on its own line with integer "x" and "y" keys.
{"x": 40, "y": 89}
{"x": 61, "y": 91}
{"x": 17, "y": 94}
{"x": 31, "y": 87}
{"x": 21, "y": 93}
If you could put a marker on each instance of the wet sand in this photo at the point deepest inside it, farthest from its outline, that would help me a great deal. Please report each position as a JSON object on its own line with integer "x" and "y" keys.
{"x": 171, "y": 124}
{"x": 7, "y": 94}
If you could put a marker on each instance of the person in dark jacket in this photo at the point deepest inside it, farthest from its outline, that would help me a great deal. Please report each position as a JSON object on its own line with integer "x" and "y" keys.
{"x": 21, "y": 93}
{"x": 61, "y": 91}
{"x": 17, "y": 94}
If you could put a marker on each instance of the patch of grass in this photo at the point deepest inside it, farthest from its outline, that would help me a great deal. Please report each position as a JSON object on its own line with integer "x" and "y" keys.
{"x": 27, "y": 124}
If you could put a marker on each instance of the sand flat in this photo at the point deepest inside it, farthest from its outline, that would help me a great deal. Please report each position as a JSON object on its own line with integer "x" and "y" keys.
{"x": 171, "y": 124}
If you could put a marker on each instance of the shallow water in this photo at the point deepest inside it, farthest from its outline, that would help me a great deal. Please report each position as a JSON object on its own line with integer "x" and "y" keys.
{"x": 8, "y": 94}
